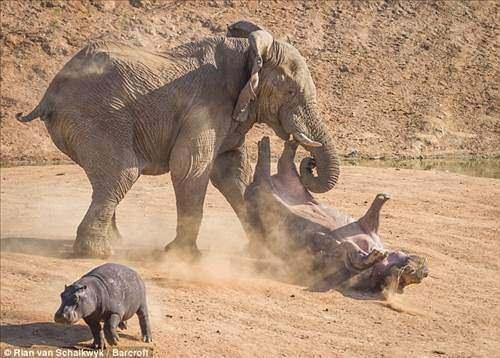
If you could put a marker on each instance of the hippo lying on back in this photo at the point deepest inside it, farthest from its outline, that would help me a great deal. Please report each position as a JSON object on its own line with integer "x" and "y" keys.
{"x": 319, "y": 241}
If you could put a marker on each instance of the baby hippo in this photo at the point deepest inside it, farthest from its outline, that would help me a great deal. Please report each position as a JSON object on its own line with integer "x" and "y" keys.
{"x": 110, "y": 293}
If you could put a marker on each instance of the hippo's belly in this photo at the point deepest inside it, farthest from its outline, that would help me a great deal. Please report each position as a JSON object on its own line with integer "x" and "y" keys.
{"x": 319, "y": 215}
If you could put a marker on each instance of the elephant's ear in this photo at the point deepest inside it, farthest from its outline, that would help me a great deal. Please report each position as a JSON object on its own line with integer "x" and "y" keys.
{"x": 260, "y": 43}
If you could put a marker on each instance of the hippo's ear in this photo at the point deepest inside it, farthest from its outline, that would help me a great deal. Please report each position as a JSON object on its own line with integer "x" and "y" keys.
{"x": 65, "y": 287}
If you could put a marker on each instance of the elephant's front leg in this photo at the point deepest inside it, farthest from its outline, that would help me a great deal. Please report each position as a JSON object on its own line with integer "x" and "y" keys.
{"x": 231, "y": 175}
{"x": 190, "y": 162}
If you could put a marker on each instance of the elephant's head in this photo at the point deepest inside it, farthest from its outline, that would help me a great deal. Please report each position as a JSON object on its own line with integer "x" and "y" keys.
{"x": 281, "y": 93}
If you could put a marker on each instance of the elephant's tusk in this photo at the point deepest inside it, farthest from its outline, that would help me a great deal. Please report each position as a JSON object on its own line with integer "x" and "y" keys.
{"x": 305, "y": 140}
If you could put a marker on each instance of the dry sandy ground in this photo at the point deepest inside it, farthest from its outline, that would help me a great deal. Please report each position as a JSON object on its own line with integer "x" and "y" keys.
{"x": 222, "y": 307}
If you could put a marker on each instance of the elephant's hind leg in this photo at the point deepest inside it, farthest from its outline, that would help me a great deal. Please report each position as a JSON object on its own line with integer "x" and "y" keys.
{"x": 98, "y": 228}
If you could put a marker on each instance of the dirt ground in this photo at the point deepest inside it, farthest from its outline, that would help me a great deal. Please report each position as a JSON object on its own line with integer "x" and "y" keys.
{"x": 223, "y": 306}
{"x": 395, "y": 79}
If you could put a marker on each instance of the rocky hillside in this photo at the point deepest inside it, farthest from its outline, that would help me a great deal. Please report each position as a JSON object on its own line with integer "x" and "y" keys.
{"x": 395, "y": 78}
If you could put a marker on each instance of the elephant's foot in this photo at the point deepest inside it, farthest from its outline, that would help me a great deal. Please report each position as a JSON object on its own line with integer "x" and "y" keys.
{"x": 96, "y": 247}
{"x": 185, "y": 251}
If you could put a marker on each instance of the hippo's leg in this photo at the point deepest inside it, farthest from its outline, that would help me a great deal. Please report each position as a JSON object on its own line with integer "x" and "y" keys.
{"x": 110, "y": 329}
{"x": 97, "y": 334}
{"x": 263, "y": 167}
{"x": 370, "y": 221}
{"x": 143, "y": 315}
{"x": 122, "y": 325}
{"x": 357, "y": 259}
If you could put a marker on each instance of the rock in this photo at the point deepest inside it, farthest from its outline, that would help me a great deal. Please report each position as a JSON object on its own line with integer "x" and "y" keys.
{"x": 136, "y": 3}
{"x": 343, "y": 68}
{"x": 438, "y": 351}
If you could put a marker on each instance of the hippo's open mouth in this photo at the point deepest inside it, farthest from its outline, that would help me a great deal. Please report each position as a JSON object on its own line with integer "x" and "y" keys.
{"x": 414, "y": 271}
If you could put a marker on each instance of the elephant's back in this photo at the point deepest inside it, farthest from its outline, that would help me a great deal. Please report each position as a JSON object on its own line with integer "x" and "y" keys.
{"x": 108, "y": 90}
{"x": 108, "y": 74}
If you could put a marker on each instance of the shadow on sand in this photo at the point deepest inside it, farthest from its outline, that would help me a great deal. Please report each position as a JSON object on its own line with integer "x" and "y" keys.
{"x": 62, "y": 249}
{"x": 44, "y": 334}
{"x": 276, "y": 270}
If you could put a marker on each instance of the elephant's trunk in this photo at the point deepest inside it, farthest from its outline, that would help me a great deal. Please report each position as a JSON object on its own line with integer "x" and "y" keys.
{"x": 310, "y": 131}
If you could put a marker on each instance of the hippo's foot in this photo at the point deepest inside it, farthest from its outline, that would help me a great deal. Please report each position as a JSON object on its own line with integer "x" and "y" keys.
{"x": 185, "y": 251}
{"x": 375, "y": 256}
{"x": 122, "y": 325}
{"x": 95, "y": 247}
{"x": 97, "y": 345}
{"x": 111, "y": 336}
{"x": 147, "y": 338}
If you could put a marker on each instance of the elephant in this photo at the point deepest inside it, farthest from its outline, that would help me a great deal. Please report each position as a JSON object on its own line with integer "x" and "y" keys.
{"x": 121, "y": 112}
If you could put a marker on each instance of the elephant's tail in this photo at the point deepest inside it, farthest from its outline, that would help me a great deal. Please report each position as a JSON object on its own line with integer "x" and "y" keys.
{"x": 41, "y": 111}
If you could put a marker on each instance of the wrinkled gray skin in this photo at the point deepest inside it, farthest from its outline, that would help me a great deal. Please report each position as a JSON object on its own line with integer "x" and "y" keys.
{"x": 110, "y": 293}
{"x": 319, "y": 241}
{"x": 120, "y": 112}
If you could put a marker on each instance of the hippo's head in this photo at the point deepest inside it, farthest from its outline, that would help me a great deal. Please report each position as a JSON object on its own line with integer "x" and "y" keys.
{"x": 399, "y": 270}
{"x": 76, "y": 303}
